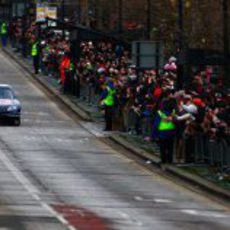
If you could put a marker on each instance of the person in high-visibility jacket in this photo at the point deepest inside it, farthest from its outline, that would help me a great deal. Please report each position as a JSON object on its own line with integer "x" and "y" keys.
{"x": 107, "y": 101}
{"x": 4, "y": 33}
{"x": 35, "y": 55}
{"x": 164, "y": 130}
{"x": 65, "y": 66}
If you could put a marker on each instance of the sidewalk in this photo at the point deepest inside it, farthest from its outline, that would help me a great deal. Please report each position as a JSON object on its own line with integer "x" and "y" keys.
{"x": 199, "y": 175}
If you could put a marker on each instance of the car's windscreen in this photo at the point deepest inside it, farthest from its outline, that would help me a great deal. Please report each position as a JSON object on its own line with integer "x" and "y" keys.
{"x": 6, "y": 93}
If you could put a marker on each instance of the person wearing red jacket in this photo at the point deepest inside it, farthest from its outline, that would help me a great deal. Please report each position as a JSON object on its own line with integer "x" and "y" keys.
{"x": 64, "y": 67}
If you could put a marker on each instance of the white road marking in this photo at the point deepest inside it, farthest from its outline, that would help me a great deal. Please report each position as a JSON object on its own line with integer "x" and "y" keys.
{"x": 138, "y": 198}
{"x": 125, "y": 215}
{"x": 39, "y": 121}
{"x": 130, "y": 219}
{"x": 18, "y": 174}
{"x": 166, "y": 201}
{"x": 43, "y": 114}
{"x": 30, "y": 138}
{"x": 32, "y": 190}
{"x": 204, "y": 213}
{"x": 57, "y": 139}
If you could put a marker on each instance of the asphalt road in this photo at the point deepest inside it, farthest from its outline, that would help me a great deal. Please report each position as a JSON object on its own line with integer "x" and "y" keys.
{"x": 55, "y": 174}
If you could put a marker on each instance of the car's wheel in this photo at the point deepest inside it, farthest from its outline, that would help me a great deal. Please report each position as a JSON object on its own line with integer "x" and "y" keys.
{"x": 17, "y": 121}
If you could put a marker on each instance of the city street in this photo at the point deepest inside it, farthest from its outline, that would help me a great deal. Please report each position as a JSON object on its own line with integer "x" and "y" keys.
{"x": 55, "y": 174}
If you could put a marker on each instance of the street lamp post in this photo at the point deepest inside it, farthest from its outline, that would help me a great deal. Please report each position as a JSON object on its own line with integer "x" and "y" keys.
{"x": 181, "y": 24}
{"x": 63, "y": 17}
{"x": 120, "y": 16}
{"x": 24, "y": 27}
{"x": 225, "y": 6}
{"x": 180, "y": 44}
{"x": 148, "y": 19}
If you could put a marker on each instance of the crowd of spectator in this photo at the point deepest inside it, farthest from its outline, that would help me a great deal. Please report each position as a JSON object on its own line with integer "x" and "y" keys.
{"x": 200, "y": 107}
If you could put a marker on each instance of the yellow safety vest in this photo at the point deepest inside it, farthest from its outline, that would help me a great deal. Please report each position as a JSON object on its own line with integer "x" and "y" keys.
{"x": 71, "y": 66}
{"x": 164, "y": 124}
{"x": 3, "y": 28}
{"x": 109, "y": 100}
{"x": 34, "y": 50}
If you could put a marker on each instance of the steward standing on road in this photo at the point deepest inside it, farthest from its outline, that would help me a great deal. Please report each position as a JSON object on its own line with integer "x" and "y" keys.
{"x": 4, "y": 33}
{"x": 35, "y": 55}
{"x": 107, "y": 103}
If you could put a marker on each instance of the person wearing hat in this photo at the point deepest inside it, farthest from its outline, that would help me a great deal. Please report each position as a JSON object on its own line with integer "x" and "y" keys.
{"x": 171, "y": 65}
{"x": 185, "y": 114}
{"x": 187, "y": 120}
{"x": 198, "y": 102}
{"x": 201, "y": 111}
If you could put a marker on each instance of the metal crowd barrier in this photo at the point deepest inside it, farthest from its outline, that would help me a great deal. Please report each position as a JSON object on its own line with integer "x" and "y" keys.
{"x": 197, "y": 148}
{"x": 88, "y": 94}
{"x": 136, "y": 123}
{"x": 202, "y": 149}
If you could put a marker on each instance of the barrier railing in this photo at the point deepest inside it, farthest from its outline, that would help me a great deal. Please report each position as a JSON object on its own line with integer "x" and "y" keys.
{"x": 197, "y": 148}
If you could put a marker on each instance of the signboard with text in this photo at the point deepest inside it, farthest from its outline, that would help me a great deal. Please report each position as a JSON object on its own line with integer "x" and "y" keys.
{"x": 51, "y": 12}
{"x": 40, "y": 12}
{"x": 43, "y": 11}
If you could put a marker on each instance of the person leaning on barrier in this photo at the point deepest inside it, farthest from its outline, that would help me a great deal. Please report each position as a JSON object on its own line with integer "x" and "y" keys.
{"x": 107, "y": 103}
{"x": 184, "y": 118}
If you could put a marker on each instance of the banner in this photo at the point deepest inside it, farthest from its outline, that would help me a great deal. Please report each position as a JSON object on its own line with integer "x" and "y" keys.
{"x": 40, "y": 12}
{"x": 51, "y": 12}
{"x": 43, "y": 11}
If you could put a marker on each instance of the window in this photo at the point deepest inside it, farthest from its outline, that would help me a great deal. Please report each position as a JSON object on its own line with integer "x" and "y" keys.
{"x": 6, "y": 93}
